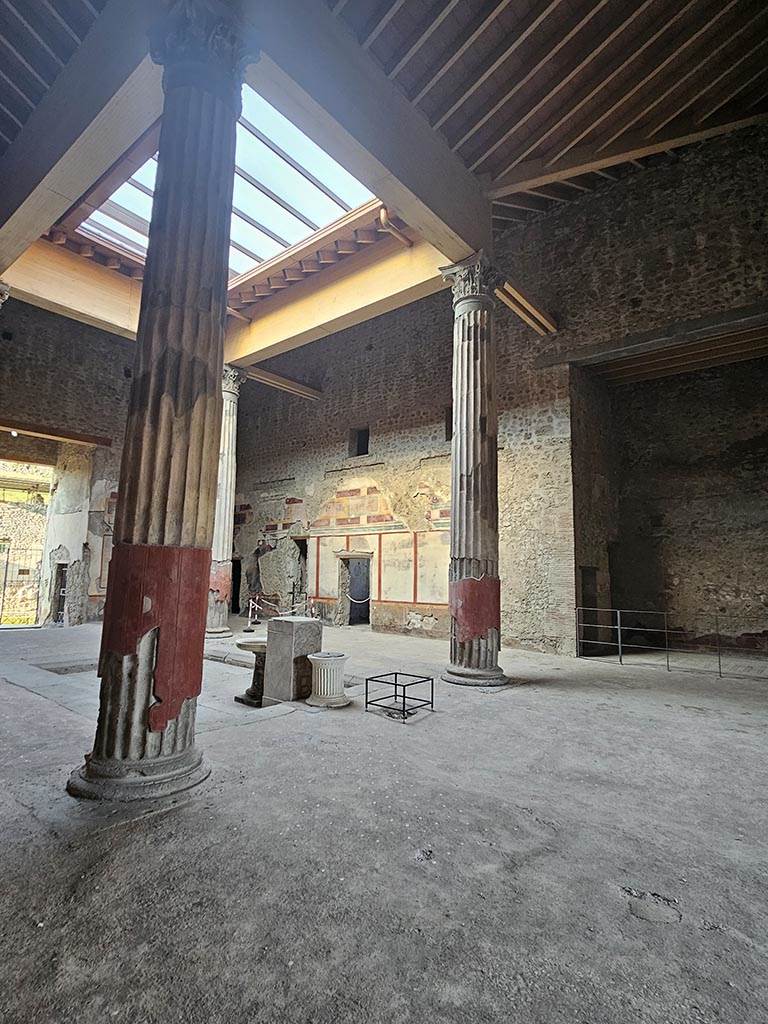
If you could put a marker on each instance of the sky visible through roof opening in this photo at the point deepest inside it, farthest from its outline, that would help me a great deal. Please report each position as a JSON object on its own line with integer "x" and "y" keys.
{"x": 286, "y": 188}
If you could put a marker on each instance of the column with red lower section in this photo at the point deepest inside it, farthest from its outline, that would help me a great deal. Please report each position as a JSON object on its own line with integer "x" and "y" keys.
{"x": 474, "y": 588}
{"x": 157, "y": 596}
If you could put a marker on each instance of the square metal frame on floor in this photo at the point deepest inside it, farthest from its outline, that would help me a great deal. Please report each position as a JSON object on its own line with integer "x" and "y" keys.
{"x": 395, "y": 679}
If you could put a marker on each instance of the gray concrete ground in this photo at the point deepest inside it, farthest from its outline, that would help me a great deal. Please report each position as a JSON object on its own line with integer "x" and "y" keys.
{"x": 588, "y": 847}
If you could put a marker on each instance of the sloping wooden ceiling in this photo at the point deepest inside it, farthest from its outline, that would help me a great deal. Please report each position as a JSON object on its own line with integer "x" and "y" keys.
{"x": 37, "y": 38}
{"x": 571, "y": 91}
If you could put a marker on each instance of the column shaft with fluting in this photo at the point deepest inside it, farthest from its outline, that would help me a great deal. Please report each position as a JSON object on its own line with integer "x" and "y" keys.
{"x": 220, "y": 590}
{"x": 474, "y": 585}
{"x": 157, "y": 593}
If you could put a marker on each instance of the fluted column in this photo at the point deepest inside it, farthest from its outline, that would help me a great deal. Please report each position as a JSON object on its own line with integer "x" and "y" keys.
{"x": 220, "y": 589}
{"x": 474, "y": 587}
{"x": 157, "y": 594}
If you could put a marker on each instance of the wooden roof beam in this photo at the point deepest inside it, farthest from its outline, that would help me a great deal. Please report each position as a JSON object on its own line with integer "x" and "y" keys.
{"x": 459, "y": 46}
{"x": 536, "y": 173}
{"x": 421, "y": 38}
{"x": 381, "y": 22}
{"x": 523, "y": 32}
{"x": 600, "y": 82}
{"x": 94, "y": 111}
{"x": 276, "y": 380}
{"x": 646, "y": 104}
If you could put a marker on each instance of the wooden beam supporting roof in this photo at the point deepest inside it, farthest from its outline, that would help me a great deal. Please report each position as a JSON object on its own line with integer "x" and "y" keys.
{"x": 313, "y": 70}
{"x": 280, "y": 383}
{"x": 95, "y": 110}
{"x": 54, "y": 278}
{"x": 540, "y": 172}
{"x": 376, "y": 280}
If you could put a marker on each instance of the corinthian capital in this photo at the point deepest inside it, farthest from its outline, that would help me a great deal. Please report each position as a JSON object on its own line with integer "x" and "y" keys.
{"x": 202, "y": 43}
{"x": 474, "y": 278}
{"x": 231, "y": 379}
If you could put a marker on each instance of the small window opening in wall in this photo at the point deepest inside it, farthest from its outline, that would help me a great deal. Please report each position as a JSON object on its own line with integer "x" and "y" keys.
{"x": 359, "y": 438}
{"x": 449, "y": 423}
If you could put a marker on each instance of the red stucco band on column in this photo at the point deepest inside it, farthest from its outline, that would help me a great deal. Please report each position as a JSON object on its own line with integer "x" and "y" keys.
{"x": 153, "y": 586}
{"x": 221, "y": 581}
{"x": 475, "y": 606}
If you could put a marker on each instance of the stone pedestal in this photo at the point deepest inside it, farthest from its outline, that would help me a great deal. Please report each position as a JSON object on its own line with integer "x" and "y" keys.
{"x": 474, "y": 588}
{"x": 328, "y": 680}
{"x": 254, "y": 695}
{"x": 157, "y": 595}
{"x": 220, "y": 591}
{"x": 288, "y": 673}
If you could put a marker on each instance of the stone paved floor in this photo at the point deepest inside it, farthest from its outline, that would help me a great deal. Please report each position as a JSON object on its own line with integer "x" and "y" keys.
{"x": 587, "y": 847}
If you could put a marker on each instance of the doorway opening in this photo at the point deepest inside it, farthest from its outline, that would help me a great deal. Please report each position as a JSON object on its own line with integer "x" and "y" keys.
{"x": 300, "y": 596}
{"x": 24, "y": 497}
{"x": 359, "y": 590}
{"x": 237, "y": 575}
{"x": 59, "y": 594}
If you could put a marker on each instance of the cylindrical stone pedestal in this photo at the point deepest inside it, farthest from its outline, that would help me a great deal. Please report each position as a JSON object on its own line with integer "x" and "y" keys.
{"x": 220, "y": 590}
{"x": 254, "y": 695}
{"x": 474, "y": 588}
{"x": 328, "y": 680}
{"x": 157, "y": 594}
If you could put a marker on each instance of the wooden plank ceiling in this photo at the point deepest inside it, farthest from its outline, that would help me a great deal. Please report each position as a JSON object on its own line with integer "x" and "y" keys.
{"x": 37, "y": 38}
{"x": 548, "y": 98}
{"x": 734, "y": 346}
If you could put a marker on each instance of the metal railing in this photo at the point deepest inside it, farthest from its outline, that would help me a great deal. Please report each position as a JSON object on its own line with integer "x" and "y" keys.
{"x": 719, "y": 646}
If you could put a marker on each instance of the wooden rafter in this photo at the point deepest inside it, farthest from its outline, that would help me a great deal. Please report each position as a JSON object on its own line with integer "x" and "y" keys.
{"x": 595, "y": 119}
{"x": 276, "y": 380}
{"x": 536, "y": 173}
{"x": 381, "y": 23}
{"x": 322, "y": 245}
{"x": 458, "y": 47}
{"x": 649, "y": 100}
{"x": 524, "y": 31}
{"x": 544, "y": 56}
{"x": 709, "y": 85}
{"x": 600, "y": 82}
{"x": 421, "y": 38}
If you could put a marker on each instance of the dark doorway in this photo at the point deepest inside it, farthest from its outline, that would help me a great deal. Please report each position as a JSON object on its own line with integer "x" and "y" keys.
{"x": 300, "y": 585}
{"x": 60, "y": 593}
{"x": 359, "y": 590}
{"x": 237, "y": 575}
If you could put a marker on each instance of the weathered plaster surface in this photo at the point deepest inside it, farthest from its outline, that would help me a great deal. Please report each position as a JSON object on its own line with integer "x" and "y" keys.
{"x": 693, "y": 490}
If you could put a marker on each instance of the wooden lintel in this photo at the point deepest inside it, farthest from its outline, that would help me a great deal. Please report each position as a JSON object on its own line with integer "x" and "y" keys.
{"x": 536, "y": 173}
{"x": 275, "y": 380}
{"x": 38, "y": 430}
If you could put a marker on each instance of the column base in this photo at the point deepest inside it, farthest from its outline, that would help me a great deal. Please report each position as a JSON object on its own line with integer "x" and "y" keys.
{"x": 138, "y": 780}
{"x": 462, "y": 676}
{"x": 328, "y": 702}
{"x": 218, "y": 633}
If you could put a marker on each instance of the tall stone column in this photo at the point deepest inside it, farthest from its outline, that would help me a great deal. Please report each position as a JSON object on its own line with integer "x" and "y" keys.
{"x": 157, "y": 594}
{"x": 474, "y": 587}
{"x": 224, "y": 521}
